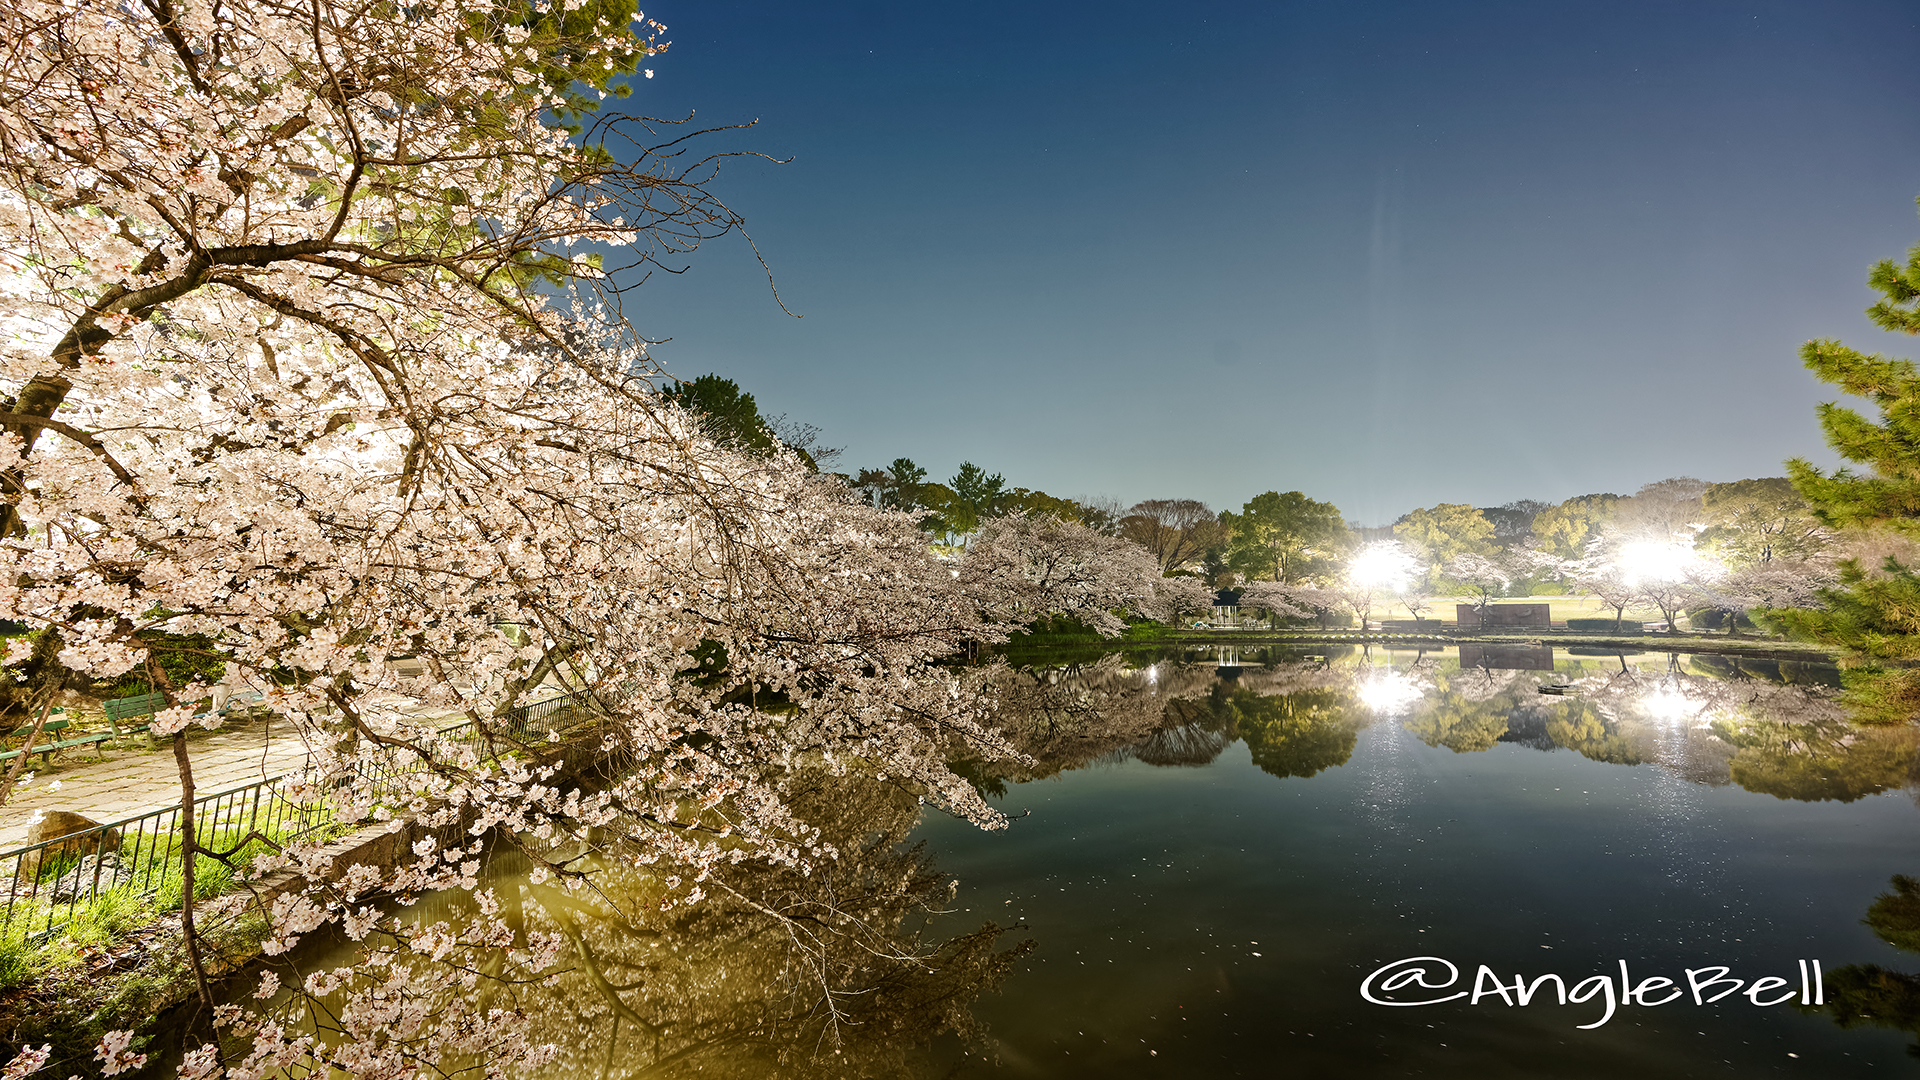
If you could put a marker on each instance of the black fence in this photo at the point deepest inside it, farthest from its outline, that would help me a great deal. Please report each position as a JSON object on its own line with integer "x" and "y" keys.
{"x": 50, "y": 884}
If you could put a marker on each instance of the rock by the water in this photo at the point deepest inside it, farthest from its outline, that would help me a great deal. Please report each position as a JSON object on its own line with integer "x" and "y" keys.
{"x": 58, "y": 823}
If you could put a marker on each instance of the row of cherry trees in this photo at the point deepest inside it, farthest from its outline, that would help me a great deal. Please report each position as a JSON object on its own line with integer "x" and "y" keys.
{"x": 317, "y": 377}
{"x": 1673, "y": 546}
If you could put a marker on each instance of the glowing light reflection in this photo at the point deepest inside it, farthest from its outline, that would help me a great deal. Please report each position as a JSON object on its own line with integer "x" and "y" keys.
{"x": 1668, "y": 704}
{"x": 1387, "y": 692}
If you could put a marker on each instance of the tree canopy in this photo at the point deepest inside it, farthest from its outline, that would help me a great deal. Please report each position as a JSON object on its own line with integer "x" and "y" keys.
{"x": 1566, "y": 530}
{"x": 1889, "y": 495}
{"x": 1275, "y": 536}
{"x": 1875, "y": 613}
{"x": 1177, "y": 531}
{"x": 728, "y": 414}
{"x": 1443, "y": 532}
{"x": 316, "y": 370}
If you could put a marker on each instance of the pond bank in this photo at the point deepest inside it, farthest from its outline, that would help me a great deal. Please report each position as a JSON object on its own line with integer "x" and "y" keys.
{"x": 1753, "y": 648}
{"x": 136, "y": 976}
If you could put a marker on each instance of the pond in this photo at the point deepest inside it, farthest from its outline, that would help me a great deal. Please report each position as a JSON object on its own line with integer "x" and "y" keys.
{"x": 1216, "y": 911}
{"x": 1216, "y": 858}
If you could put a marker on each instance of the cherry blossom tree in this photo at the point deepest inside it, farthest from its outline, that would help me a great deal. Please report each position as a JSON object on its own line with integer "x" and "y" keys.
{"x": 317, "y": 374}
{"x": 1774, "y": 583}
{"x": 1487, "y": 576}
{"x": 1021, "y": 568}
{"x": 1284, "y": 600}
{"x": 1599, "y": 575}
{"x": 1174, "y": 597}
{"x": 1377, "y": 573}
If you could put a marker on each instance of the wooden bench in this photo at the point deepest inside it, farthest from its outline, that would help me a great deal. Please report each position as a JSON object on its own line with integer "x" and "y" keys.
{"x": 127, "y": 708}
{"x": 52, "y": 728}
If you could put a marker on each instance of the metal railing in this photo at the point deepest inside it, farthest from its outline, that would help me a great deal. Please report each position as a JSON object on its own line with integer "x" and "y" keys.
{"x": 47, "y": 885}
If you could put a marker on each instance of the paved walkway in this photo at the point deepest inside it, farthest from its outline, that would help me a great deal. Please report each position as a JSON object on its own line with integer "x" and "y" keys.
{"x": 131, "y": 778}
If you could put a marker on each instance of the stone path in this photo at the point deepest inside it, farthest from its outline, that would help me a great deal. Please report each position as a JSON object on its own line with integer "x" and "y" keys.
{"x": 132, "y": 778}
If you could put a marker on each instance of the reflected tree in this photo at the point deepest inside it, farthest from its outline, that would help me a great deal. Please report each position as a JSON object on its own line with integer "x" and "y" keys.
{"x": 783, "y": 971}
{"x": 1466, "y": 711}
{"x": 1298, "y": 734}
{"x": 1584, "y": 731}
{"x": 1868, "y": 995}
{"x": 1825, "y": 759}
{"x": 1064, "y": 717}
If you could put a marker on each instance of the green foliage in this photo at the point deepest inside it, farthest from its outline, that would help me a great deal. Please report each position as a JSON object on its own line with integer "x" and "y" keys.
{"x": 1895, "y": 916}
{"x": 1891, "y": 496}
{"x": 1297, "y": 734}
{"x": 16, "y": 963}
{"x": 1444, "y": 531}
{"x": 1820, "y": 761}
{"x": 1462, "y": 730}
{"x": 978, "y": 495}
{"x": 1869, "y": 995}
{"x": 1586, "y": 733}
{"x": 1513, "y": 522}
{"x": 552, "y": 28}
{"x": 1712, "y": 618}
{"x": 727, "y": 413}
{"x": 1876, "y": 617}
{"x": 1756, "y": 521}
{"x": 116, "y": 912}
{"x": 1322, "y": 620}
{"x": 896, "y": 487}
{"x": 1565, "y": 530}
{"x": 1611, "y": 626}
{"x": 971, "y": 496}
{"x": 1278, "y": 537}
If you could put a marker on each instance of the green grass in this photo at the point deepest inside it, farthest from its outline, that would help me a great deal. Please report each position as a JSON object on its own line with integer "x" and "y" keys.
{"x": 28, "y": 950}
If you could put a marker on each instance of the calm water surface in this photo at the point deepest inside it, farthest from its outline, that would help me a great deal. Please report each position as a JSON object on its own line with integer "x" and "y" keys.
{"x": 1218, "y": 918}
{"x": 1209, "y": 853}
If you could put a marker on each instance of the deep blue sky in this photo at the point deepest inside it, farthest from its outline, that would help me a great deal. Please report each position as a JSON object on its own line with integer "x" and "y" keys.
{"x": 1389, "y": 254}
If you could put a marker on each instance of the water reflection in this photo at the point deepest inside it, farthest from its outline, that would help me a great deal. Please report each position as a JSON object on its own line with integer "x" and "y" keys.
{"x": 779, "y": 972}
{"x": 1769, "y": 726}
{"x": 1868, "y": 995}
{"x": 836, "y": 972}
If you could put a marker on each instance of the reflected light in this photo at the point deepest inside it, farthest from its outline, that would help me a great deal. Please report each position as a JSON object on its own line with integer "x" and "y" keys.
{"x": 1667, "y": 704}
{"x": 1388, "y": 692}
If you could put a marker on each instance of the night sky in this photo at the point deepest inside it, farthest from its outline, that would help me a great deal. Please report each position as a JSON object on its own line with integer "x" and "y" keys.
{"x": 1389, "y": 254}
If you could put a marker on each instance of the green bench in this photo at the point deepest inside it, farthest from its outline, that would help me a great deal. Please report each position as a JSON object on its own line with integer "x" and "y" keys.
{"x": 127, "y": 708}
{"x": 130, "y": 708}
{"x": 53, "y": 728}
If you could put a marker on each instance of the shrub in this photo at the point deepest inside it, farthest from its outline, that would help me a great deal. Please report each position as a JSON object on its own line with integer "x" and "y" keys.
{"x": 1716, "y": 619}
{"x": 1607, "y": 626}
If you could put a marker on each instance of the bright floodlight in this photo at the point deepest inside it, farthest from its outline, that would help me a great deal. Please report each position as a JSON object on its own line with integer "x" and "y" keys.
{"x": 1381, "y": 564}
{"x": 1654, "y": 561}
{"x": 1387, "y": 692}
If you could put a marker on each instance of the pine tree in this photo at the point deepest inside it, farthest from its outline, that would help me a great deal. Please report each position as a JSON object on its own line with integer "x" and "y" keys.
{"x": 1874, "y": 616}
